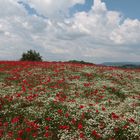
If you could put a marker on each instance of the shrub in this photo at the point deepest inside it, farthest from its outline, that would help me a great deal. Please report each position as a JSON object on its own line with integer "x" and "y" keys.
{"x": 31, "y": 55}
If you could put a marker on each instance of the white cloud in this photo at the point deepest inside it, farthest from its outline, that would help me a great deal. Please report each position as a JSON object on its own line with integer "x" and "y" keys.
{"x": 127, "y": 33}
{"x": 99, "y": 6}
{"x": 11, "y": 8}
{"x": 97, "y": 35}
{"x": 53, "y": 9}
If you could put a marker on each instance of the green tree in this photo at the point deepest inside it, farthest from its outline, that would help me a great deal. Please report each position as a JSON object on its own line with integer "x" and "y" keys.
{"x": 31, "y": 55}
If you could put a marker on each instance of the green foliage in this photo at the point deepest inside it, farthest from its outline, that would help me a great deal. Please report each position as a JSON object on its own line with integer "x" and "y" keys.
{"x": 3, "y": 76}
{"x": 80, "y": 62}
{"x": 131, "y": 66}
{"x": 31, "y": 55}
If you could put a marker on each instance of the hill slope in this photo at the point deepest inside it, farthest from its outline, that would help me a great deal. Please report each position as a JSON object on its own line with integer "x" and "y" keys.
{"x": 56, "y": 101}
{"x": 120, "y": 63}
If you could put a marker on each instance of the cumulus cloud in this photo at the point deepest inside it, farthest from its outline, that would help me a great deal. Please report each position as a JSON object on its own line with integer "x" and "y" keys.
{"x": 127, "y": 33}
{"x": 11, "y": 8}
{"x": 97, "y": 35}
{"x": 53, "y": 9}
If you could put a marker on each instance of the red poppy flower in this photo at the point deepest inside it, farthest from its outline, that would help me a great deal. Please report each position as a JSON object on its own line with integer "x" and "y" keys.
{"x": 47, "y": 134}
{"x": 18, "y": 138}
{"x": 114, "y": 116}
{"x": 97, "y": 111}
{"x": 20, "y": 133}
{"x": 64, "y": 127}
{"x": 23, "y": 88}
{"x": 125, "y": 126}
{"x": 28, "y": 130}
{"x": 67, "y": 115}
{"x": 1, "y": 133}
{"x": 81, "y": 106}
{"x": 5, "y": 124}
{"x": 15, "y": 120}
{"x": 116, "y": 129}
{"x": 81, "y": 135}
{"x": 47, "y": 128}
{"x": 131, "y": 120}
{"x": 95, "y": 134}
{"x": 73, "y": 121}
{"x": 48, "y": 119}
{"x": 35, "y": 134}
{"x": 103, "y": 109}
{"x": 10, "y": 134}
{"x": 80, "y": 126}
{"x": 59, "y": 111}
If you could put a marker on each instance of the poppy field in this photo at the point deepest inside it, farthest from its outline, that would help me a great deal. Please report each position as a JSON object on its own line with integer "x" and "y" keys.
{"x": 67, "y": 101}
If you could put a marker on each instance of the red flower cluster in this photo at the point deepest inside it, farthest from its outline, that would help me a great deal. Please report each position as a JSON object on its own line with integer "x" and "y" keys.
{"x": 64, "y": 127}
{"x": 114, "y": 116}
{"x": 80, "y": 126}
{"x": 95, "y": 134}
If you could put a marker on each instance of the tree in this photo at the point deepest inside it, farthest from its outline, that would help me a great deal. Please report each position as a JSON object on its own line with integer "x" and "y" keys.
{"x": 31, "y": 55}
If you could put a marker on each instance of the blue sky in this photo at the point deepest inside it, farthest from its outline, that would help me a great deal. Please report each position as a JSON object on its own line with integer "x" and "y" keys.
{"x": 129, "y": 8}
{"x": 82, "y": 7}
{"x": 94, "y": 31}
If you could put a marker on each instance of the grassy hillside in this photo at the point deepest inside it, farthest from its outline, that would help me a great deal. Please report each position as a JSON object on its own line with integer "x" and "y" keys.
{"x": 68, "y": 101}
{"x": 121, "y": 63}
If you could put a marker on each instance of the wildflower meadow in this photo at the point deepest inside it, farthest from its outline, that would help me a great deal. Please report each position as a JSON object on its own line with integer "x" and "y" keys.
{"x": 67, "y": 101}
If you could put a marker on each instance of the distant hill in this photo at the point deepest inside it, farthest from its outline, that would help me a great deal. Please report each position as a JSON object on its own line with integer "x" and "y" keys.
{"x": 120, "y": 63}
{"x": 123, "y": 64}
{"x": 79, "y": 62}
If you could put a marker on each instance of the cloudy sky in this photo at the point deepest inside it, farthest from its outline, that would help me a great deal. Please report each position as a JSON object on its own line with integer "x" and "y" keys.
{"x": 89, "y": 30}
